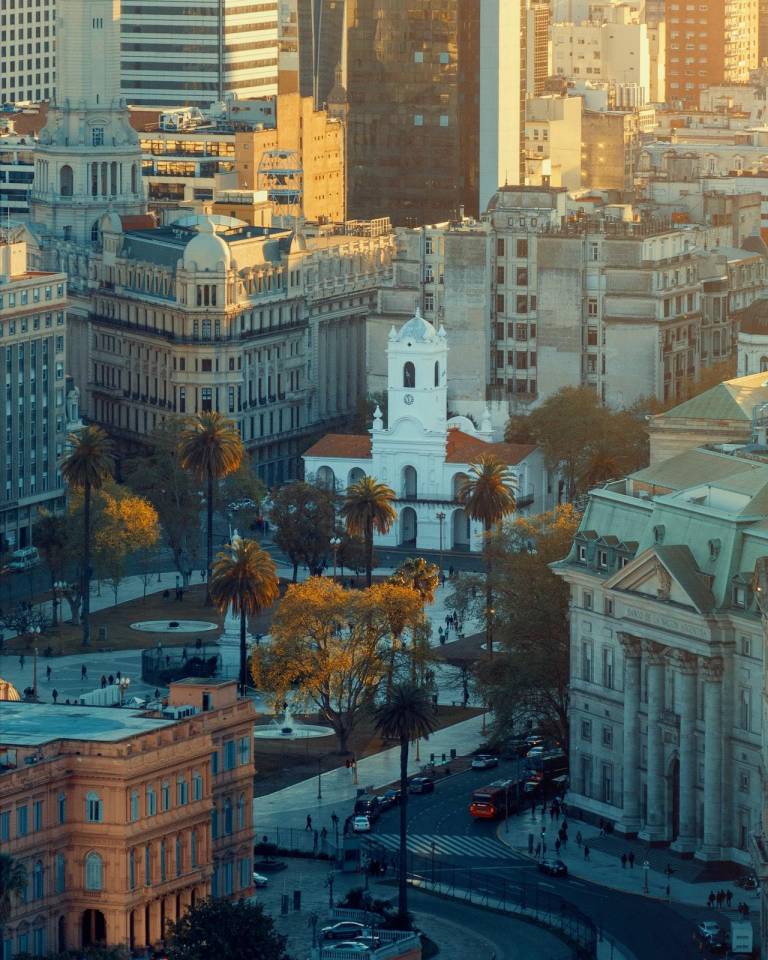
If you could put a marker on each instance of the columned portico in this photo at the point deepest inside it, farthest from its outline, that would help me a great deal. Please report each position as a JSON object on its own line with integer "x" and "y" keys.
{"x": 685, "y": 698}
{"x": 713, "y": 760}
{"x": 654, "y": 830}
{"x": 630, "y": 821}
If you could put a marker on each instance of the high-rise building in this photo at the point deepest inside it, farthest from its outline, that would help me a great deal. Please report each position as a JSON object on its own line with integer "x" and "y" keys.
{"x": 538, "y": 60}
{"x": 173, "y": 54}
{"x": 312, "y": 44}
{"x": 435, "y": 103}
{"x": 32, "y": 327}
{"x": 27, "y": 50}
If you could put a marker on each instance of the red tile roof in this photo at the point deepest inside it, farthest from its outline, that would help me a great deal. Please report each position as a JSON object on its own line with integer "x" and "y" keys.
{"x": 346, "y": 446}
{"x": 139, "y": 221}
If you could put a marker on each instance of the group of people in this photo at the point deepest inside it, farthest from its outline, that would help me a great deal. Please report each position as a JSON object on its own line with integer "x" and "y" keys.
{"x": 724, "y": 898}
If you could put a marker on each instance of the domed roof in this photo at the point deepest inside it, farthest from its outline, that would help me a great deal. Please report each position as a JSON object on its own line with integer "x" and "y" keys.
{"x": 206, "y": 249}
{"x": 8, "y": 691}
{"x": 417, "y": 329}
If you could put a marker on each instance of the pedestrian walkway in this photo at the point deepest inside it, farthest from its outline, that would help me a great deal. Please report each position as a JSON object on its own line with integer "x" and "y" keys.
{"x": 627, "y": 865}
{"x": 442, "y": 845}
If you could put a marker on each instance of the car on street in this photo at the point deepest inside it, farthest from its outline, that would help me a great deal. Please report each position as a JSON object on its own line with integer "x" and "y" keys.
{"x": 259, "y": 880}
{"x": 537, "y": 751}
{"x": 350, "y": 946}
{"x": 709, "y": 932}
{"x": 361, "y": 824}
{"x": 345, "y": 930}
{"x": 368, "y": 807}
{"x": 421, "y": 785}
{"x": 553, "y": 867}
{"x": 389, "y": 799}
{"x": 484, "y": 761}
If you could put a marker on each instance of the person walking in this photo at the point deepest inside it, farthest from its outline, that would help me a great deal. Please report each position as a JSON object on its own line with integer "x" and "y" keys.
{"x": 83, "y": 672}
{"x": 309, "y": 822}
{"x": 586, "y": 852}
{"x": 557, "y": 846}
{"x": 578, "y": 838}
{"x": 631, "y": 859}
{"x": 21, "y": 661}
{"x": 103, "y": 682}
{"x": 623, "y": 861}
{"x": 48, "y": 673}
{"x": 55, "y": 694}
{"x": 711, "y": 899}
{"x": 729, "y": 898}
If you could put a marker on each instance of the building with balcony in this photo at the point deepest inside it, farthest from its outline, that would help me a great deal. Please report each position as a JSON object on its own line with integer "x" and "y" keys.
{"x": 422, "y": 453}
{"x": 123, "y": 818}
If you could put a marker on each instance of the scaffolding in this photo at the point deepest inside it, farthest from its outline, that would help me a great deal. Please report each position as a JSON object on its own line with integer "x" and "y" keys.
{"x": 281, "y": 175}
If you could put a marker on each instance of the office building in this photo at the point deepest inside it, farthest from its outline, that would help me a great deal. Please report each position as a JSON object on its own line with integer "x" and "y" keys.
{"x": 435, "y": 104}
{"x": 27, "y": 50}
{"x": 17, "y": 171}
{"x": 553, "y": 146}
{"x": 312, "y": 47}
{"x": 175, "y": 55}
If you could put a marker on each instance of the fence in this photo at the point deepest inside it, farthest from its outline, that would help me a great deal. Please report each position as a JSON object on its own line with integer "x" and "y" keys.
{"x": 300, "y": 842}
{"x": 161, "y": 665}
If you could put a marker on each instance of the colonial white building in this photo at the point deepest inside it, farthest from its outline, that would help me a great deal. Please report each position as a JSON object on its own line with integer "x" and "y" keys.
{"x": 420, "y": 453}
{"x": 667, "y": 653}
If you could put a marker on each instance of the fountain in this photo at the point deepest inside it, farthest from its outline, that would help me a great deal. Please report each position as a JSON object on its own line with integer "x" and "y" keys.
{"x": 173, "y": 626}
{"x": 289, "y": 728}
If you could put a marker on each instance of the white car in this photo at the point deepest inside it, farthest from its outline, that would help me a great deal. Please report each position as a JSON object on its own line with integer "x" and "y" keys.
{"x": 259, "y": 880}
{"x": 535, "y": 752}
{"x": 484, "y": 761}
{"x": 361, "y": 824}
{"x": 349, "y": 946}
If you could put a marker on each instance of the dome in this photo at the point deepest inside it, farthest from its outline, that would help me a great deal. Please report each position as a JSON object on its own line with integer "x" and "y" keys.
{"x": 206, "y": 249}
{"x": 417, "y": 329}
{"x": 8, "y": 691}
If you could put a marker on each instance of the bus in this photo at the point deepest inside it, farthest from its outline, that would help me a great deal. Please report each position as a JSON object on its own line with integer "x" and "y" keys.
{"x": 496, "y": 800}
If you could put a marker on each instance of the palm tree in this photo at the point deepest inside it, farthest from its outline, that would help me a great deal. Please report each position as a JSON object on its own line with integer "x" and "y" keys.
{"x": 488, "y": 495}
{"x": 406, "y": 715}
{"x": 245, "y": 578}
{"x": 86, "y": 467}
{"x": 367, "y": 509}
{"x": 13, "y": 882}
{"x": 420, "y": 575}
{"x": 211, "y": 448}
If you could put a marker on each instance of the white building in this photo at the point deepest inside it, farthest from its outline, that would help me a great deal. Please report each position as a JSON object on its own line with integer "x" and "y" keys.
{"x": 177, "y": 54}
{"x": 420, "y": 453}
{"x": 17, "y": 171}
{"x": 27, "y": 50}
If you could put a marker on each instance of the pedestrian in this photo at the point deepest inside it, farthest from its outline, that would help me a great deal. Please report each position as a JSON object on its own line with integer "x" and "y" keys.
{"x": 552, "y": 813}
{"x": 334, "y": 820}
{"x": 586, "y": 852}
{"x": 103, "y": 681}
{"x": 48, "y": 673}
{"x": 157, "y": 694}
{"x": 309, "y": 822}
{"x": 729, "y": 898}
{"x": 578, "y": 838}
{"x": 110, "y": 679}
{"x": 544, "y": 808}
{"x": 565, "y": 825}
{"x": 119, "y": 676}
{"x": 323, "y": 834}
{"x": 538, "y": 850}
{"x": 557, "y": 847}
{"x": 83, "y": 672}
{"x": 450, "y": 572}
{"x": 631, "y": 859}
{"x": 719, "y": 898}
{"x": 711, "y": 899}
{"x": 602, "y": 827}
{"x": 442, "y": 579}
{"x": 21, "y": 661}
{"x": 447, "y": 620}
{"x": 202, "y": 574}
{"x": 623, "y": 861}
{"x": 565, "y": 840}
{"x": 55, "y": 694}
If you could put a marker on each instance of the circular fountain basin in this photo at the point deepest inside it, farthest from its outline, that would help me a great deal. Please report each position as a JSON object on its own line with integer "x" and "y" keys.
{"x": 174, "y": 626}
{"x": 299, "y": 731}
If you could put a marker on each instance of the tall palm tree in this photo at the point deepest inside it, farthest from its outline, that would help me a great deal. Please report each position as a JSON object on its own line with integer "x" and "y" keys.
{"x": 13, "y": 881}
{"x": 406, "y": 715}
{"x": 367, "y": 509}
{"x": 86, "y": 467}
{"x": 488, "y": 495}
{"x": 245, "y": 578}
{"x": 210, "y": 447}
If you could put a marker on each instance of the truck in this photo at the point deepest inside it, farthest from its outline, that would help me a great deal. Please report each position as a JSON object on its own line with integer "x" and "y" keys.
{"x": 740, "y": 939}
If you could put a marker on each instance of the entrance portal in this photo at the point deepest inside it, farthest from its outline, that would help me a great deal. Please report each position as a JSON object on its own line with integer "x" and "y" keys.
{"x": 94, "y": 928}
{"x": 674, "y": 799}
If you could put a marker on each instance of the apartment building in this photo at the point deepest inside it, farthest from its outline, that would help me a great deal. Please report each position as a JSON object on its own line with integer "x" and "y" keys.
{"x": 553, "y": 141}
{"x": 27, "y": 50}
{"x": 123, "y": 818}
{"x": 32, "y": 354}
{"x": 610, "y": 147}
{"x": 172, "y": 54}
{"x": 17, "y": 171}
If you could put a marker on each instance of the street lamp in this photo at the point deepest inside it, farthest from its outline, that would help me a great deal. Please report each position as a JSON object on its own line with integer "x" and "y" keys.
{"x": 491, "y": 617}
{"x": 319, "y": 778}
{"x": 441, "y": 520}
{"x": 123, "y": 683}
{"x": 335, "y": 544}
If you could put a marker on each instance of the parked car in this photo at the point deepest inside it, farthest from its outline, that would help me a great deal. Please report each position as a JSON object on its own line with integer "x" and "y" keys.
{"x": 421, "y": 785}
{"x": 351, "y": 946}
{"x": 484, "y": 761}
{"x": 259, "y": 880}
{"x": 538, "y": 751}
{"x": 555, "y": 868}
{"x": 709, "y": 932}
{"x": 749, "y": 882}
{"x": 344, "y": 930}
{"x": 368, "y": 807}
{"x": 389, "y": 799}
{"x": 361, "y": 824}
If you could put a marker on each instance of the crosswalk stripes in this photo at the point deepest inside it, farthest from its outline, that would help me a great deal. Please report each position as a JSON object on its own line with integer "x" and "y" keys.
{"x": 444, "y": 846}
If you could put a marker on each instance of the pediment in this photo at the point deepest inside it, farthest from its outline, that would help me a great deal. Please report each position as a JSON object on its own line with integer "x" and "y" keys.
{"x": 666, "y": 573}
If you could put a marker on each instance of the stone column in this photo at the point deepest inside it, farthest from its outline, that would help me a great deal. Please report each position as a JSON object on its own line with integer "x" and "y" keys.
{"x": 654, "y": 830}
{"x": 685, "y": 665}
{"x": 713, "y": 759}
{"x": 139, "y": 933}
{"x": 154, "y": 934}
{"x": 630, "y": 819}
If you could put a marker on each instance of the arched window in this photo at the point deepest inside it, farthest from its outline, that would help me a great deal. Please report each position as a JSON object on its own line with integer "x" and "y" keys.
{"x": 410, "y": 483}
{"x": 197, "y": 785}
{"x": 241, "y": 812}
{"x": 93, "y": 808}
{"x": 134, "y": 813}
{"x": 437, "y": 373}
{"x": 37, "y": 880}
{"x": 763, "y": 364}
{"x": 94, "y": 872}
{"x": 409, "y": 375}
{"x": 326, "y": 478}
{"x": 95, "y": 232}
{"x": 66, "y": 181}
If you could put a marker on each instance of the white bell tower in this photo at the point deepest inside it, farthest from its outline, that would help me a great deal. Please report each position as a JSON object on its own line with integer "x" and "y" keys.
{"x": 417, "y": 380}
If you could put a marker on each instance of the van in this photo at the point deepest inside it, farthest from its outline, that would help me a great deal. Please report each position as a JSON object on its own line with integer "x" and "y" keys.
{"x": 24, "y": 559}
{"x": 741, "y": 939}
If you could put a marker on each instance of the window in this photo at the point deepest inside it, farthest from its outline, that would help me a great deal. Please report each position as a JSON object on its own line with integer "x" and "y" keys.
{"x": 93, "y": 811}
{"x": 134, "y": 805}
{"x": 62, "y": 807}
{"x": 418, "y": 120}
{"x": 193, "y": 848}
{"x": 746, "y": 647}
{"x": 245, "y": 751}
{"x": 608, "y": 737}
{"x": 165, "y": 796}
{"x": 521, "y": 248}
{"x": 94, "y": 872}
{"x": 592, "y": 307}
{"x": 745, "y": 708}
{"x": 241, "y": 812}
{"x": 586, "y": 660}
{"x": 22, "y": 821}
{"x": 409, "y": 375}
{"x": 586, "y": 730}
{"x": 586, "y": 599}
{"x": 5, "y": 825}
{"x": 606, "y": 783}
{"x": 197, "y": 785}
{"x": 97, "y": 136}
{"x": 602, "y": 559}
{"x": 429, "y": 302}
{"x": 586, "y": 776}
{"x": 594, "y": 251}
{"x": 37, "y": 815}
{"x": 148, "y": 865}
{"x": 179, "y": 856}
{"x": 608, "y": 667}
{"x": 739, "y": 595}
{"x": 37, "y": 881}
{"x": 215, "y": 762}
{"x": 163, "y": 858}
{"x": 151, "y": 801}
{"x": 581, "y": 553}
{"x": 522, "y": 277}
{"x": 60, "y": 879}
{"x": 132, "y": 869}
{"x": 608, "y": 607}
{"x": 182, "y": 791}
{"x": 500, "y": 247}
{"x": 214, "y": 824}
{"x": 227, "y": 817}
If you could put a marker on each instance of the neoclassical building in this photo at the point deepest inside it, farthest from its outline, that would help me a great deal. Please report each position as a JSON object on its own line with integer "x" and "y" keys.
{"x": 422, "y": 453}
{"x": 667, "y": 653}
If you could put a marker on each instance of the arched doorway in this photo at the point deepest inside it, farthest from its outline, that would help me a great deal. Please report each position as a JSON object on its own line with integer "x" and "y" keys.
{"x": 461, "y": 534}
{"x": 355, "y": 474}
{"x": 409, "y": 483}
{"x": 408, "y": 527}
{"x": 326, "y": 478}
{"x": 94, "y": 928}
{"x": 673, "y": 799}
{"x": 61, "y": 933}
{"x": 459, "y": 479}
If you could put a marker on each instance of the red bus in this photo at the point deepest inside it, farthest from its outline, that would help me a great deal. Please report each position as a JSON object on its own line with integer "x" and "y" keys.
{"x": 496, "y": 800}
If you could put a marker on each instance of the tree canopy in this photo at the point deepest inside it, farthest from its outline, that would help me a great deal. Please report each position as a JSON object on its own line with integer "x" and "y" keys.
{"x": 237, "y": 930}
{"x": 304, "y": 516}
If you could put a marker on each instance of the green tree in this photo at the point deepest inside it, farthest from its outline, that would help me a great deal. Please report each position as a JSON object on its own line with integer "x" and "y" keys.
{"x": 237, "y": 930}
{"x": 406, "y": 715}
{"x": 211, "y": 449}
{"x": 50, "y": 536}
{"x": 304, "y": 517}
{"x": 13, "y": 884}
{"x": 243, "y": 492}
{"x": 86, "y": 467}
{"x": 367, "y": 509}
{"x": 488, "y": 495}
{"x": 245, "y": 578}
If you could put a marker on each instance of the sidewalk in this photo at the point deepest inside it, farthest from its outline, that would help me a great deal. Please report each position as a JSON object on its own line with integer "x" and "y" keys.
{"x": 690, "y": 883}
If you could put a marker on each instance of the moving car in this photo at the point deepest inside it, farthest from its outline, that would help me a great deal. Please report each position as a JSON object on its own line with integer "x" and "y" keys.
{"x": 555, "y": 868}
{"x": 350, "y": 946}
{"x": 708, "y": 932}
{"x": 421, "y": 785}
{"x": 389, "y": 799}
{"x": 345, "y": 930}
{"x": 259, "y": 880}
{"x": 368, "y": 807}
{"x": 484, "y": 761}
{"x": 361, "y": 824}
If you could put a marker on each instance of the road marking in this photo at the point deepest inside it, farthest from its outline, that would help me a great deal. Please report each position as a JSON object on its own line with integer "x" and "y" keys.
{"x": 423, "y": 844}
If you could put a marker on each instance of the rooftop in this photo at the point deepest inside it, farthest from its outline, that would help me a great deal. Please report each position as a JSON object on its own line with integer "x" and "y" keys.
{"x": 731, "y": 400}
{"x": 35, "y": 724}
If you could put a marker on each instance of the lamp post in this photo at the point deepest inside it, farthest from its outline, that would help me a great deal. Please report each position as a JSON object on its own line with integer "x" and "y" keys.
{"x": 123, "y": 683}
{"x": 441, "y": 521}
{"x": 491, "y": 618}
{"x": 319, "y": 778}
{"x": 335, "y": 544}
